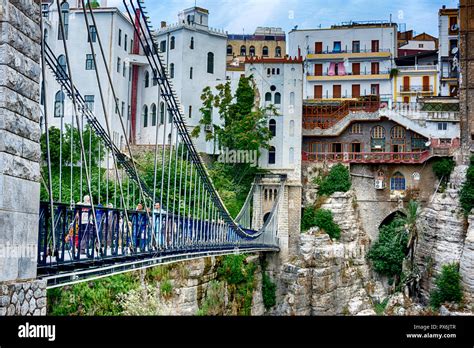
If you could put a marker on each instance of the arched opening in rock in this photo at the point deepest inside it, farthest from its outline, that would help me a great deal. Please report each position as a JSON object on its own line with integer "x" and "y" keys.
{"x": 389, "y": 219}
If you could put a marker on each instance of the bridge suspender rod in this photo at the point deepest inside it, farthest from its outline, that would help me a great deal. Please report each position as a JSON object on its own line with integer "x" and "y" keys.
{"x": 81, "y": 139}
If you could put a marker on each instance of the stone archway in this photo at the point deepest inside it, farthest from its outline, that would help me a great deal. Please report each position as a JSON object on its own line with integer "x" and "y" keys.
{"x": 390, "y": 217}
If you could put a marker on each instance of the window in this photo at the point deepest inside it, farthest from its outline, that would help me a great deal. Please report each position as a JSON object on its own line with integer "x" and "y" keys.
{"x": 272, "y": 155}
{"x": 145, "y": 116}
{"x": 147, "y": 79}
{"x": 292, "y": 128}
{"x": 420, "y": 45}
{"x": 172, "y": 43}
{"x": 153, "y": 115}
{"x": 172, "y": 70}
{"x": 355, "y": 46}
{"x": 374, "y": 89}
{"x": 336, "y": 91}
{"x": 278, "y": 51}
{"x": 355, "y": 68}
{"x": 292, "y": 155}
{"x": 337, "y": 46}
{"x": 230, "y": 50}
{"x": 278, "y": 71}
{"x": 131, "y": 46}
{"x": 190, "y": 111}
{"x": 397, "y": 132}
{"x": 277, "y": 98}
{"x": 243, "y": 51}
{"x": 210, "y": 63}
{"x": 318, "y": 70}
{"x": 90, "y": 62}
{"x": 89, "y": 100}
{"x": 163, "y": 46}
{"x": 268, "y": 97}
{"x": 65, "y": 21}
{"x": 252, "y": 51}
{"x": 269, "y": 71}
{"x": 122, "y": 111}
{"x": 59, "y": 104}
{"x": 46, "y": 35}
{"x": 191, "y": 46}
{"x": 292, "y": 99}
{"x": 375, "y": 68}
{"x": 61, "y": 69}
{"x": 442, "y": 126}
{"x": 118, "y": 65}
{"x": 397, "y": 182}
{"x": 356, "y": 128}
{"x": 162, "y": 113}
{"x": 93, "y": 34}
{"x": 272, "y": 127}
{"x": 318, "y": 47}
{"x": 191, "y": 73}
{"x": 129, "y": 113}
{"x": 125, "y": 42}
{"x": 120, "y": 37}
{"x": 378, "y": 132}
{"x": 265, "y": 51}
{"x": 273, "y": 71}
{"x": 375, "y": 45}
{"x": 124, "y": 70}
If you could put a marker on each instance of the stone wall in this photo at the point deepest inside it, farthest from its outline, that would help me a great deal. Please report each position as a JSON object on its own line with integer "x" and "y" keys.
{"x": 19, "y": 157}
{"x": 467, "y": 263}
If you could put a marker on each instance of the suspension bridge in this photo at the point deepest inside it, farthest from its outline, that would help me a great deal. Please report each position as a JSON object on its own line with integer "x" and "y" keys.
{"x": 179, "y": 217}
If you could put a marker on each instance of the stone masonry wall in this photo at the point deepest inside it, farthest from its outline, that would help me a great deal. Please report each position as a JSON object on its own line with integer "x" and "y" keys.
{"x": 20, "y": 35}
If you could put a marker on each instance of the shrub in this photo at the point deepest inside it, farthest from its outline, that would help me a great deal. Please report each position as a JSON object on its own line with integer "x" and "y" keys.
{"x": 443, "y": 168}
{"x": 307, "y": 220}
{"x": 467, "y": 191}
{"x": 268, "y": 291}
{"x": 388, "y": 252}
{"x": 213, "y": 304}
{"x": 448, "y": 287}
{"x": 166, "y": 288}
{"x": 325, "y": 221}
{"x": 142, "y": 302}
{"x": 338, "y": 180}
{"x": 380, "y": 307}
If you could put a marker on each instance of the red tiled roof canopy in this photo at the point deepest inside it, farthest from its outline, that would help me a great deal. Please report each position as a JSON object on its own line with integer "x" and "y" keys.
{"x": 282, "y": 60}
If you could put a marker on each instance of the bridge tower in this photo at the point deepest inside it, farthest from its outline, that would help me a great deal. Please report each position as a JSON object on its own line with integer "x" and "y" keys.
{"x": 267, "y": 191}
{"x": 20, "y": 113}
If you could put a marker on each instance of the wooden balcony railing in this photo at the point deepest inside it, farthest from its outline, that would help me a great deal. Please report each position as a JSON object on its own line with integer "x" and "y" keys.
{"x": 367, "y": 157}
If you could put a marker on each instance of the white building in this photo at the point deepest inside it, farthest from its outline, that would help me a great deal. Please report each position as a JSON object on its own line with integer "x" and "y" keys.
{"x": 280, "y": 83}
{"x": 195, "y": 56}
{"x": 448, "y": 51}
{"x": 346, "y": 61}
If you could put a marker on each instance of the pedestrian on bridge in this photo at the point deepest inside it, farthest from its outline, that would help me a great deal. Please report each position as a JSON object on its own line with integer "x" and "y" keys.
{"x": 160, "y": 218}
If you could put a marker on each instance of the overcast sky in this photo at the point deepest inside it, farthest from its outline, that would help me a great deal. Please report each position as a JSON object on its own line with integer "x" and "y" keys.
{"x": 237, "y": 16}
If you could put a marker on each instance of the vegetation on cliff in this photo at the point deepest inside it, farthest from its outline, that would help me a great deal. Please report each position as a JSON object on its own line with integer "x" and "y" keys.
{"x": 448, "y": 286}
{"x": 467, "y": 191}
{"x": 337, "y": 180}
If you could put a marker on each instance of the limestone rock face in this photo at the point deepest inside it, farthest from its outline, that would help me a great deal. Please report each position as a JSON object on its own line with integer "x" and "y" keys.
{"x": 330, "y": 277}
{"x": 467, "y": 263}
{"x": 441, "y": 232}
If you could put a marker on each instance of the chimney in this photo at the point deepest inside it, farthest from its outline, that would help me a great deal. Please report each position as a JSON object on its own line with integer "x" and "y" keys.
{"x": 444, "y": 7}
{"x": 163, "y": 24}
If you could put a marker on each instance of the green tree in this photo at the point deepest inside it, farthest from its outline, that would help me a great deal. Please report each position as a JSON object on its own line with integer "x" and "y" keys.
{"x": 325, "y": 221}
{"x": 443, "y": 168}
{"x": 467, "y": 191}
{"x": 338, "y": 180}
{"x": 448, "y": 286}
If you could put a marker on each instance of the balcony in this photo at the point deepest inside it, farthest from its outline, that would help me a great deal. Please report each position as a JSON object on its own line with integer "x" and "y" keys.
{"x": 367, "y": 157}
{"x": 380, "y": 75}
{"x": 416, "y": 89}
{"x": 362, "y": 53}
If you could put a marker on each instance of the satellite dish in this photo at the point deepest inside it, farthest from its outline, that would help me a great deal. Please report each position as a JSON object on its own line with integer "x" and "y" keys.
{"x": 428, "y": 144}
{"x": 454, "y": 27}
{"x": 454, "y": 50}
{"x": 346, "y": 63}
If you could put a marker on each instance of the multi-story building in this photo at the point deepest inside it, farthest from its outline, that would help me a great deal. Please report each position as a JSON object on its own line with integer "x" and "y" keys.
{"x": 280, "y": 83}
{"x": 266, "y": 42}
{"x": 195, "y": 58}
{"x": 346, "y": 61}
{"x": 417, "y": 44}
{"x": 117, "y": 33}
{"x": 448, "y": 51}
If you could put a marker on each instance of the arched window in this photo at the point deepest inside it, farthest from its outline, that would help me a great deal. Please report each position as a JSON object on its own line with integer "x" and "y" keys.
{"x": 172, "y": 43}
{"x": 230, "y": 50}
{"x": 292, "y": 128}
{"x": 172, "y": 70}
{"x": 191, "y": 73}
{"x": 292, "y": 155}
{"x": 272, "y": 126}
{"x": 265, "y": 51}
{"x": 147, "y": 79}
{"x": 398, "y": 132}
{"x": 272, "y": 155}
{"x": 277, "y": 98}
{"x": 191, "y": 46}
{"x": 65, "y": 20}
{"x": 210, "y": 63}
{"x": 278, "y": 51}
{"x": 59, "y": 104}
{"x": 278, "y": 71}
{"x": 397, "y": 182}
{"x": 269, "y": 71}
{"x": 61, "y": 69}
{"x": 252, "y": 51}
{"x": 162, "y": 113}
{"x": 292, "y": 99}
{"x": 153, "y": 114}
{"x": 170, "y": 117}
{"x": 46, "y": 35}
{"x": 155, "y": 78}
{"x": 273, "y": 71}
{"x": 378, "y": 132}
{"x": 243, "y": 50}
{"x": 145, "y": 116}
{"x": 268, "y": 97}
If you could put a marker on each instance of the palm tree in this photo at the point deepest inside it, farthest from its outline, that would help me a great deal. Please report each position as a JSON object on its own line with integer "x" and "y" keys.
{"x": 410, "y": 226}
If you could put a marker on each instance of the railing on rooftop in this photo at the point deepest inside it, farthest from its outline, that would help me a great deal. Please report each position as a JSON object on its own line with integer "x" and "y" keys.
{"x": 362, "y": 50}
{"x": 362, "y": 73}
{"x": 416, "y": 88}
{"x": 367, "y": 157}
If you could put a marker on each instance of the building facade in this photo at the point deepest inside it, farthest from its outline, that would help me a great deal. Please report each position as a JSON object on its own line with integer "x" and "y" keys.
{"x": 346, "y": 61}
{"x": 448, "y": 52}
